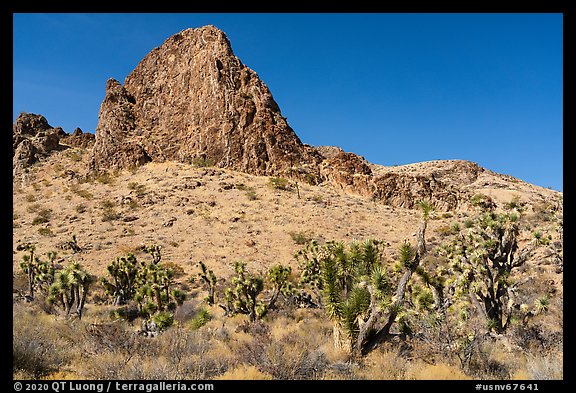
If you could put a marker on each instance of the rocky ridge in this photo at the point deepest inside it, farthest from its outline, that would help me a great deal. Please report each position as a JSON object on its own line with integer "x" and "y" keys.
{"x": 34, "y": 139}
{"x": 191, "y": 100}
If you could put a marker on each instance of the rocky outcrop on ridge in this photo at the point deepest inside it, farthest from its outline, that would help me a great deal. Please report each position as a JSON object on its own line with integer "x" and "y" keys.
{"x": 32, "y": 139}
{"x": 191, "y": 100}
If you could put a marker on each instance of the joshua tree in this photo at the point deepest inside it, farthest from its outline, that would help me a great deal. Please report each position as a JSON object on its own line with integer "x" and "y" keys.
{"x": 241, "y": 298}
{"x": 278, "y": 276}
{"x": 156, "y": 293}
{"x": 154, "y": 251}
{"x": 151, "y": 286}
{"x": 70, "y": 288}
{"x": 309, "y": 264}
{"x": 126, "y": 275}
{"x": 40, "y": 273}
{"x": 482, "y": 257}
{"x": 358, "y": 294}
{"x": 209, "y": 278}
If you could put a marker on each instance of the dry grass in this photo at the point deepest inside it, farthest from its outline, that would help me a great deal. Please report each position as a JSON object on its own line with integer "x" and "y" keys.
{"x": 244, "y": 372}
{"x": 423, "y": 371}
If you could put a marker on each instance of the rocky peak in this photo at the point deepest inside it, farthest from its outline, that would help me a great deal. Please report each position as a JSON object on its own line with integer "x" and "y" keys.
{"x": 192, "y": 99}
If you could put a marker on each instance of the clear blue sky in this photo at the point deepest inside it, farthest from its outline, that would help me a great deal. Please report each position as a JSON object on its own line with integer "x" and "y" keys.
{"x": 394, "y": 88}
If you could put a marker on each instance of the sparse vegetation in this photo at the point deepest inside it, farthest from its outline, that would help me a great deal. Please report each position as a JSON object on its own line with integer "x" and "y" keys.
{"x": 42, "y": 217}
{"x": 201, "y": 318}
{"x": 300, "y": 237}
{"x": 279, "y": 183}
{"x": 202, "y": 162}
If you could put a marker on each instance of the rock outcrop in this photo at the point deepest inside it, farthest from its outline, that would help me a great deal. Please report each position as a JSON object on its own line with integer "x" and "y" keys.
{"x": 79, "y": 139}
{"x": 32, "y": 139}
{"x": 191, "y": 99}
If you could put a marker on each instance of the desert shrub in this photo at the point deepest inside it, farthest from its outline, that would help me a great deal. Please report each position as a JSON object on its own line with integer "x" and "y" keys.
{"x": 108, "y": 212}
{"x": 45, "y": 232}
{"x": 201, "y": 318}
{"x": 251, "y": 194}
{"x": 202, "y": 162}
{"x": 36, "y": 348}
{"x": 423, "y": 371}
{"x": 545, "y": 368}
{"x": 279, "y": 183}
{"x": 139, "y": 189}
{"x": 76, "y": 189}
{"x": 43, "y": 217}
{"x": 444, "y": 231}
{"x": 244, "y": 372}
{"x": 293, "y": 356}
{"x": 105, "y": 178}
{"x": 383, "y": 364}
{"x": 300, "y": 238}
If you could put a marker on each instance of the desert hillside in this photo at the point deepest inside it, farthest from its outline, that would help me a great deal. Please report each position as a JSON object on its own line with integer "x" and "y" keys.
{"x": 194, "y": 236}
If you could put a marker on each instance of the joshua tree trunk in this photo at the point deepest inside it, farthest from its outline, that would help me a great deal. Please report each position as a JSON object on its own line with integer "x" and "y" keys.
{"x": 364, "y": 343}
{"x": 82, "y": 301}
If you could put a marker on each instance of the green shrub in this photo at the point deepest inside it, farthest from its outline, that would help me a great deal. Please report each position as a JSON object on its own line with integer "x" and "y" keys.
{"x": 279, "y": 183}
{"x": 202, "y": 162}
{"x": 163, "y": 320}
{"x": 251, "y": 194}
{"x": 201, "y": 318}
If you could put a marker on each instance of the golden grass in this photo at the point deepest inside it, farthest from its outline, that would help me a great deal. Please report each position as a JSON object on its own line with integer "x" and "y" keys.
{"x": 423, "y": 371}
{"x": 243, "y": 372}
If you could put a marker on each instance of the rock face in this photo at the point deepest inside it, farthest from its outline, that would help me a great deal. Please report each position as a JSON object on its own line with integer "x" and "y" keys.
{"x": 33, "y": 138}
{"x": 191, "y": 99}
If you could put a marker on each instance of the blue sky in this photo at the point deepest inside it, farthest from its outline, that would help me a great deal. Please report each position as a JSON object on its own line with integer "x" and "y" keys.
{"x": 394, "y": 88}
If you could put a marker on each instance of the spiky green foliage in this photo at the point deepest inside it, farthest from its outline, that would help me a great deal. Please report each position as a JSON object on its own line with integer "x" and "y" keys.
{"x": 210, "y": 280}
{"x": 40, "y": 273}
{"x": 126, "y": 273}
{"x": 352, "y": 279}
{"x": 154, "y": 251}
{"x": 201, "y": 318}
{"x": 278, "y": 277}
{"x": 309, "y": 264}
{"x": 481, "y": 258}
{"x": 242, "y": 296}
{"x": 150, "y": 285}
{"x": 163, "y": 320}
{"x": 155, "y": 294}
{"x": 70, "y": 289}
{"x": 406, "y": 255}
{"x": 541, "y": 304}
{"x": 357, "y": 291}
{"x": 427, "y": 208}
